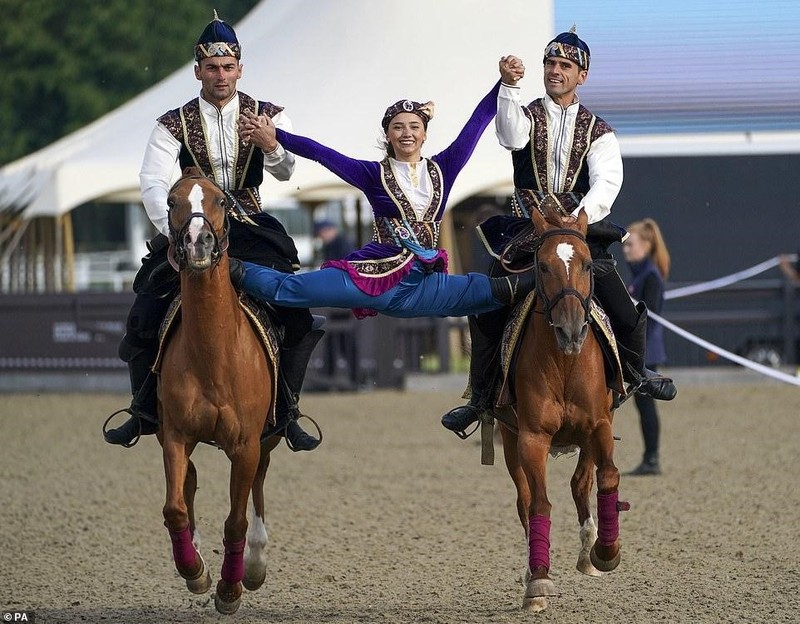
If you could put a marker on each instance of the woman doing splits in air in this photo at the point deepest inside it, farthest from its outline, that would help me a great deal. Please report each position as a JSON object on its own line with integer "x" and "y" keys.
{"x": 401, "y": 272}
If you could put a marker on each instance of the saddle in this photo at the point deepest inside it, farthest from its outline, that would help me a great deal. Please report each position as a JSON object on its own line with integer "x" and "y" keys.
{"x": 601, "y": 327}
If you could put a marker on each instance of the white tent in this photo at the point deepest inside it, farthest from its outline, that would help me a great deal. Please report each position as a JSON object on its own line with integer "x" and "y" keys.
{"x": 335, "y": 65}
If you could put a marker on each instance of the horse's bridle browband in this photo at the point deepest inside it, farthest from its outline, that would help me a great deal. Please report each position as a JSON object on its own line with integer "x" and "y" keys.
{"x": 548, "y": 303}
{"x": 176, "y": 235}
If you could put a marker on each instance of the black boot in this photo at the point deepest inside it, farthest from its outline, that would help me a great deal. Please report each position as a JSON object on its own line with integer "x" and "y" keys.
{"x": 236, "y": 270}
{"x": 631, "y": 350}
{"x": 143, "y": 409}
{"x": 649, "y": 466}
{"x": 629, "y": 323}
{"x": 484, "y": 367}
{"x": 512, "y": 289}
{"x": 292, "y": 372}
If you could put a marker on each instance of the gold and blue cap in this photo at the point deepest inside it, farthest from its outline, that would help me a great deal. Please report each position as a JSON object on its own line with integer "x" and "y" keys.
{"x": 569, "y": 46}
{"x": 218, "y": 39}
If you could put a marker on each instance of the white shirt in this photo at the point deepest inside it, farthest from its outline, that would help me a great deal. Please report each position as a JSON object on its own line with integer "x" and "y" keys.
{"x": 513, "y": 130}
{"x": 415, "y": 182}
{"x": 160, "y": 164}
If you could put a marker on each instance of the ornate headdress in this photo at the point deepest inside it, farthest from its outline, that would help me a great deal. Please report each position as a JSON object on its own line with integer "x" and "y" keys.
{"x": 423, "y": 111}
{"x": 218, "y": 39}
{"x": 569, "y": 46}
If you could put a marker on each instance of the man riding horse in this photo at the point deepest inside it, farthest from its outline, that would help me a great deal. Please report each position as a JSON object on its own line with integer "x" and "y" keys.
{"x": 203, "y": 133}
{"x": 561, "y": 151}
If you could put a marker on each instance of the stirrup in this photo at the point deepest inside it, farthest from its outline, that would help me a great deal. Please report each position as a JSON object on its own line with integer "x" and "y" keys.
{"x": 135, "y": 439}
{"x": 296, "y": 420}
{"x": 465, "y": 432}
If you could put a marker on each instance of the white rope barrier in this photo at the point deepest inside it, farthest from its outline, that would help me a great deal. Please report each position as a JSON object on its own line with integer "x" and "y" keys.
{"x": 764, "y": 370}
{"x": 675, "y": 293}
{"x": 721, "y": 282}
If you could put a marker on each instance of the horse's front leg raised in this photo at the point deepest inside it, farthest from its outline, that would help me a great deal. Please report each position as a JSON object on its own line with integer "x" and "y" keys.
{"x": 533, "y": 451}
{"x": 581, "y": 484}
{"x": 188, "y": 561}
{"x": 605, "y": 554}
{"x": 244, "y": 463}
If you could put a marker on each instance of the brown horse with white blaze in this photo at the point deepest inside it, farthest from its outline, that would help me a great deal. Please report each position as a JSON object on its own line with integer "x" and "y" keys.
{"x": 215, "y": 386}
{"x": 562, "y": 402}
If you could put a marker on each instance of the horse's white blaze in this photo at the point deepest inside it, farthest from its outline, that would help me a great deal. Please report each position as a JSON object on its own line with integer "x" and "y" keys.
{"x": 196, "y": 200}
{"x": 565, "y": 251}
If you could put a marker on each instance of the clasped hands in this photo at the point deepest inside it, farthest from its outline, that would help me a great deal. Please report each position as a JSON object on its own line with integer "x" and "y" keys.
{"x": 512, "y": 69}
{"x": 258, "y": 130}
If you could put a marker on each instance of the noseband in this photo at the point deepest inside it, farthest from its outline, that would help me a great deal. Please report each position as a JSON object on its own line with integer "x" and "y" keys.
{"x": 548, "y": 303}
{"x": 176, "y": 236}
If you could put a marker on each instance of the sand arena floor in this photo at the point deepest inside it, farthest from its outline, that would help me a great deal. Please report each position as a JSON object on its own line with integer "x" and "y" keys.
{"x": 393, "y": 519}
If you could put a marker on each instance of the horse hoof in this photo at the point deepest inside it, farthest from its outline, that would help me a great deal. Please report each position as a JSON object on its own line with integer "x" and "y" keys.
{"x": 539, "y": 588}
{"x": 227, "y": 598}
{"x": 602, "y": 564}
{"x": 534, "y": 604}
{"x": 202, "y": 582}
{"x": 226, "y": 608}
{"x": 252, "y": 584}
{"x": 585, "y": 566}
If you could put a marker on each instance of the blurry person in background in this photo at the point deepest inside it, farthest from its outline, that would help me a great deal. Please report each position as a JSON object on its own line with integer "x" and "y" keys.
{"x": 649, "y": 262}
{"x": 335, "y": 243}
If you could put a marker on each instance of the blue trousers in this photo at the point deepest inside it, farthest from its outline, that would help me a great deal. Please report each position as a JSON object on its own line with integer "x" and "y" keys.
{"x": 418, "y": 294}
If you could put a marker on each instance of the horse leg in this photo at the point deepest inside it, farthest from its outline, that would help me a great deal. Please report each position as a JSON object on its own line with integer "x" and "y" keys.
{"x": 188, "y": 561}
{"x": 520, "y": 483}
{"x": 581, "y": 484}
{"x": 244, "y": 464}
{"x": 533, "y": 450}
{"x": 605, "y": 554}
{"x": 511, "y": 455}
{"x": 189, "y": 491}
{"x": 255, "y": 551}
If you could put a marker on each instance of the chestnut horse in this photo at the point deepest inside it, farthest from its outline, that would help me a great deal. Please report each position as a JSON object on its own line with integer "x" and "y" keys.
{"x": 562, "y": 402}
{"x": 215, "y": 386}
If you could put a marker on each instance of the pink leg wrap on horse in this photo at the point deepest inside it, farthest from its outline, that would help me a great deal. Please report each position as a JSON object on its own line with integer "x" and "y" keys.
{"x": 538, "y": 542}
{"x": 182, "y": 549}
{"x": 233, "y": 564}
{"x": 607, "y": 518}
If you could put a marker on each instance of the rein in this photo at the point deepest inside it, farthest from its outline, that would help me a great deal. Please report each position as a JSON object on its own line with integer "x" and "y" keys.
{"x": 176, "y": 235}
{"x": 549, "y": 303}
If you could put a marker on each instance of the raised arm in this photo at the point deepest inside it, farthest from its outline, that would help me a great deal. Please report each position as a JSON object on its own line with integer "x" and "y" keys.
{"x": 512, "y": 127}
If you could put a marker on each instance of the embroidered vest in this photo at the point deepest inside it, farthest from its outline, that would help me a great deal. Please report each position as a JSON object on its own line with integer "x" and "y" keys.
{"x": 406, "y": 226}
{"x": 413, "y": 236}
{"x": 186, "y": 125}
{"x": 531, "y": 162}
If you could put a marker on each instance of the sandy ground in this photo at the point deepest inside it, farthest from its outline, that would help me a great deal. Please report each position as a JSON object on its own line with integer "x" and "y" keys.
{"x": 393, "y": 519}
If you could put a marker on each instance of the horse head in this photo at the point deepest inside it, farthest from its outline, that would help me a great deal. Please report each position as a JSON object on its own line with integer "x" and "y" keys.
{"x": 198, "y": 221}
{"x": 564, "y": 279}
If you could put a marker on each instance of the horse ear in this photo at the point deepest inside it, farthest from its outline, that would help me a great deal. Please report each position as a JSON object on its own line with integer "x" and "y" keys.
{"x": 194, "y": 172}
{"x": 583, "y": 221}
{"x": 539, "y": 221}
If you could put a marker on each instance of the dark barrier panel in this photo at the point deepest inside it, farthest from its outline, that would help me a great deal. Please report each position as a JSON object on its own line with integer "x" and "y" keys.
{"x": 62, "y": 332}
{"x": 74, "y": 333}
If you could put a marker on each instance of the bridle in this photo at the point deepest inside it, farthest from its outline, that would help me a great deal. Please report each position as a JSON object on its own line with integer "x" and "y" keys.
{"x": 547, "y": 302}
{"x": 177, "y": 250}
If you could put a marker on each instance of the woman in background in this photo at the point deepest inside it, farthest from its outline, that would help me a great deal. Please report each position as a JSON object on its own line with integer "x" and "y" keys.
{"x": 649, "y": 262}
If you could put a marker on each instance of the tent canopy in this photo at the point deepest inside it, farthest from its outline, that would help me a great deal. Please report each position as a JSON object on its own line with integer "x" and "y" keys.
{"x": 335, "y": 67}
